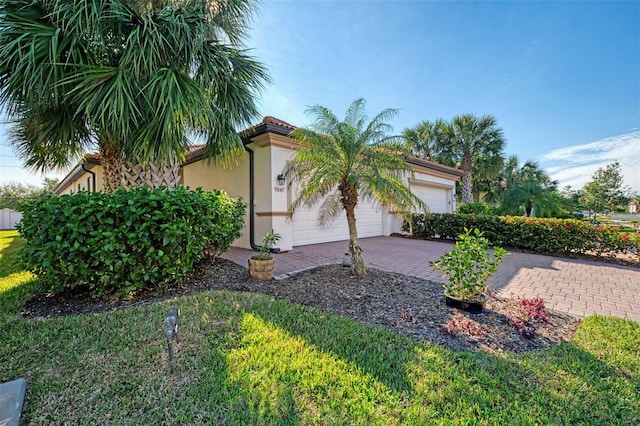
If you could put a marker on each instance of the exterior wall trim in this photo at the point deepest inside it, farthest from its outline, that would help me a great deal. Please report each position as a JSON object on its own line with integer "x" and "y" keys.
{"x": 431, "y": 184}
{"x": 273, "y": 214}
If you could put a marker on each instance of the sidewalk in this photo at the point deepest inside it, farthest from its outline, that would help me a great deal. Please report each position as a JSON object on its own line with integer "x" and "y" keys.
{"x": 577, "y": 287}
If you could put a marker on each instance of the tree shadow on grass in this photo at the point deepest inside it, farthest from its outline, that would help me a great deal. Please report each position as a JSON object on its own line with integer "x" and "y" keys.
{"x": 565, "y": 384}
{"x": 252, "y": 359}
{"x": 9, "y": 257}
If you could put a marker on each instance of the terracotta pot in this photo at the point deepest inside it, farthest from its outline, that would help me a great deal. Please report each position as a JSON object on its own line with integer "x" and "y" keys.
{"x": 471, "y": 306}
{"x": 261, "y": 269}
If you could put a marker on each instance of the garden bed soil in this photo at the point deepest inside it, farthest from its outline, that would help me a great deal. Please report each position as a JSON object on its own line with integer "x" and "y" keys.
{"x": 411, "y": 306}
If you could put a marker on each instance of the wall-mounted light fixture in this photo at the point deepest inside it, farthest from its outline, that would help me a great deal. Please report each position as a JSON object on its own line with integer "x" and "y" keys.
{"x": 281, "y": 179}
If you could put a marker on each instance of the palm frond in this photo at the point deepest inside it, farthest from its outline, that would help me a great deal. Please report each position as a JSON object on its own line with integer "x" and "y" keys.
{"x": 144, "y": 74}
{"x": 330, "y": 209}
{"x": 110, "y": 96}
{"x": 50, "y": 139}
{"x": 361, "y": 157}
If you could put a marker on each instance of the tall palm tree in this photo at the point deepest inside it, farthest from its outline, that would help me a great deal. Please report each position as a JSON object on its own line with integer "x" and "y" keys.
{"x": 465, "y": 141}
{"x": 486, "y": 170}
{"x": 340, "y": 163}
{"x": 135, "y": 78}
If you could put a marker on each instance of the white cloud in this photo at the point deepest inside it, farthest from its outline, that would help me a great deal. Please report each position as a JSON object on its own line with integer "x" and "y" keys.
{"x": 576, "y": 164}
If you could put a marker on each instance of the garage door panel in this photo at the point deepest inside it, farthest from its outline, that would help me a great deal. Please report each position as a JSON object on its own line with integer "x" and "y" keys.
{"x": 435, "y": 198}
{"x": 307, "y": 231}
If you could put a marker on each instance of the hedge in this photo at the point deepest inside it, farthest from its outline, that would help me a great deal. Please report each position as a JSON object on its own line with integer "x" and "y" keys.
{"x": 116, "y": 244}
{"x": 567, "y": 236}
{"x": 476, "y": 209}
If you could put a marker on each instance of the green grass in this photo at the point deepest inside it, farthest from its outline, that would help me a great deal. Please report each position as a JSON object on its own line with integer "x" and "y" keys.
{"x": 16, "y": 286}
{"x": 252, "y": 359}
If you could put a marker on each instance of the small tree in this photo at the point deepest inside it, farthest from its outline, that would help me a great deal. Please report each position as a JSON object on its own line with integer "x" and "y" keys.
{"x": 571, "y": 199}
{"x": 605, "y": 190}
{"x": 341, "y": 162}
{"x": 526, "y": 189}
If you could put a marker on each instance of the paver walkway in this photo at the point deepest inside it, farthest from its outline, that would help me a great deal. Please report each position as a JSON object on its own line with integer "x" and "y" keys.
{"x": 577, "y": 287}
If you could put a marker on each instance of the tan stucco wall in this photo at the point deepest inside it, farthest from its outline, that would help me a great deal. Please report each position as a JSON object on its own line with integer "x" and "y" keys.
{"x": 85, "y": 182}
{"x": 233, "y": 180}
{"x": 272, "y": 201}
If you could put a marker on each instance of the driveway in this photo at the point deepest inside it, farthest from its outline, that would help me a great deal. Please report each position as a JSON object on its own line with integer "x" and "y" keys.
{"x": 577, "y": 287}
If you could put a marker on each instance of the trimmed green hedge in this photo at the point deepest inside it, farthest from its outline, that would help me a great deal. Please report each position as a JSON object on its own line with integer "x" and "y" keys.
{"x": 476, "y": 208}
{"x": 117, "y": 244}
{"x": 542, "y": 235}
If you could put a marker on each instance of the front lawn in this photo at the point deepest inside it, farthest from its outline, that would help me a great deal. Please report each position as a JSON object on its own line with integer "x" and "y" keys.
{"x": 251, "y": 359}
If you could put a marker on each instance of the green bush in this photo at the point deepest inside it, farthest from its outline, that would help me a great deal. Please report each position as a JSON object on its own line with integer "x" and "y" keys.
{"x": 542, "y": 235}
{"x": 117, "y": 244}
{"x": 476, "y": 208}
{"x": 469, "y": 266}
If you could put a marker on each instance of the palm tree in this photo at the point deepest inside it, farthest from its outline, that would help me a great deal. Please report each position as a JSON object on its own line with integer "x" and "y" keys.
{"x": 422, "y": 139}
{"x": 465, "y": 141}
{"x": 135, "y": 78}
{"x": 527, "y": 189}
{"x": 486, "y": 170}
{"x": 341, "y": 162}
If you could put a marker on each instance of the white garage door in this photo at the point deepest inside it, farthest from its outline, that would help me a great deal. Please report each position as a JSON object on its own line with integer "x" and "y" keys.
{"x": 434, "y": 197}
{"x": 307, "y": 231}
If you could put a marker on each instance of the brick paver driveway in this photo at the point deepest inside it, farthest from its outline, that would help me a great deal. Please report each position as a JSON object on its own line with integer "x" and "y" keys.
{"x": 577, "y": 287}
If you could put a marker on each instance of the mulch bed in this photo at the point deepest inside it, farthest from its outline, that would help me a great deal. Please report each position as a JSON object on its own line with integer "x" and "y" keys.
{"x": 407, "y": 305}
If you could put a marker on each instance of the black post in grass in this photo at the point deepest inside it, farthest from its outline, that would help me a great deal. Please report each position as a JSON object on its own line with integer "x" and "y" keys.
{"x": 172, "y": 334}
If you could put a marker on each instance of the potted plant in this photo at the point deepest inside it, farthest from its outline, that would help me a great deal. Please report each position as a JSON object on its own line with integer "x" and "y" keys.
{"x": 467, "y": 268}
{"x": 261, "y": 264}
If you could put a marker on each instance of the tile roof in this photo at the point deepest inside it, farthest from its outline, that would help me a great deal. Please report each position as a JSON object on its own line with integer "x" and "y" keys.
{"x": 274, "y": 120}
{"x": 270, "y": 120}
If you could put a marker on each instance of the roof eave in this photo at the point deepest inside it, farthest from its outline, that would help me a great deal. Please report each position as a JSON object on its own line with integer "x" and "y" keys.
{"x": 75, "y": 173}
{"x": 246, "y": 137}
{"x": 435, "y": 166}
{"x": 263, "y": 128}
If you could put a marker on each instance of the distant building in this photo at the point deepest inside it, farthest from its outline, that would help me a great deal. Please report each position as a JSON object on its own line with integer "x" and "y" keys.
{"x": 633, "y": 207}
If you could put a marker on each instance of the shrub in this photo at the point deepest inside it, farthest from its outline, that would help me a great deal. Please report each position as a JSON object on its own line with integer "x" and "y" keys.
{"x": 116, "y": 244}
{"x": 568, "y": 236}
{"x": 469, "y": 266}
{"x": 476, "y": 209}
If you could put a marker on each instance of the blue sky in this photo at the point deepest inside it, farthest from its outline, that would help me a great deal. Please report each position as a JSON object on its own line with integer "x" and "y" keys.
{"x": 562, "y": 78}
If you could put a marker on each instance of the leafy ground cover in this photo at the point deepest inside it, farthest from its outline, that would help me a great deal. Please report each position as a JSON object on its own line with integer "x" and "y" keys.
{"x": 251, "y": 358}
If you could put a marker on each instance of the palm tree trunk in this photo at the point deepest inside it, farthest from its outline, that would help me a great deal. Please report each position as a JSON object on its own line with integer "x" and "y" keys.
{"x": 134, "y": 175}
{"x": 153, "y": 175}
{"x": 165, "y": 174}
{"x": 111, "y": 160}
{"x": 467, "y": 184}
{"x": 357, "y": 262}
{"x": 528, "y": 209}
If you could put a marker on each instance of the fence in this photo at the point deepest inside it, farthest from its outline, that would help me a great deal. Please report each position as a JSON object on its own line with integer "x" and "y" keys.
{"x": 9, "y": 218}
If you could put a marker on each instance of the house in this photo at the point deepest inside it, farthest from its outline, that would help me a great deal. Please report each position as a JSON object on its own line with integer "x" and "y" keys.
{"x": 258, "y": 178}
